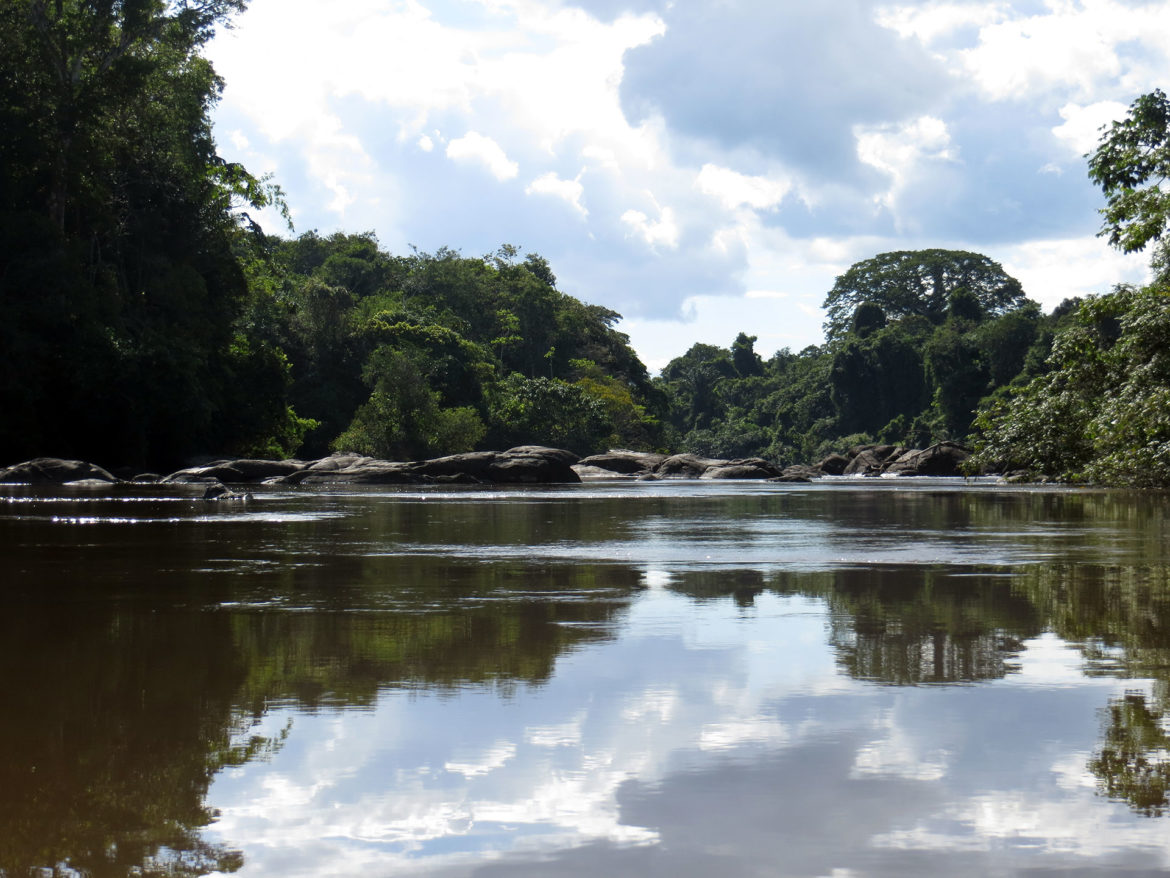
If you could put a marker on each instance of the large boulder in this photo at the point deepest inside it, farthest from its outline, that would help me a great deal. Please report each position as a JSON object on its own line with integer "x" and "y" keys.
{"x": 219, "y": 471}
{"x": 341, "y": 466}
{"x": 473, "y": 463}
{"x": 560, "y": 455}
{"x": 362, "y": 471}
{"x": 243, "y": 470}
{"x": 870, "y": 460}
{"x": 55, "y": 471}
{"x": 799, "y": 473}
{"x": 259, "y": 470}
{"x": 745, "y": 468}
{"x": 619, "y": 463}
{"x": 833, "y": 465}
{"x": 336, "y": 462}
{"x": 685, "y": 466}
{"x": 691, "y": 466}
{"x": 865, "y": 463}
{"x": 940, "y": 459}
{"x": 527, "y": 464}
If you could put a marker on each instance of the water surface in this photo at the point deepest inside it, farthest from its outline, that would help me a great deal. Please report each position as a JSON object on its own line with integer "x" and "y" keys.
{"x": 843, "y": 679}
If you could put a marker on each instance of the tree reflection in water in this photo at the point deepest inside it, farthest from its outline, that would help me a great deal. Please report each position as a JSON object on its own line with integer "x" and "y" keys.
{"x": 1133, "y": 764}
{"x": 915, "y": 625}
{"x": 117, "y": 719}
{"x": 136, "y": 664}
{"x": 108, "y": 761}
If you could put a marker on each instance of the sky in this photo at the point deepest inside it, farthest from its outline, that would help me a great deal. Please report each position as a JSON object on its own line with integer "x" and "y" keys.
{"x": 703, "y": 168}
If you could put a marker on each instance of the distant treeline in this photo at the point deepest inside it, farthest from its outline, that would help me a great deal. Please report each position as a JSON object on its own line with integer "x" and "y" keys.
{"x": 147, "y": 320}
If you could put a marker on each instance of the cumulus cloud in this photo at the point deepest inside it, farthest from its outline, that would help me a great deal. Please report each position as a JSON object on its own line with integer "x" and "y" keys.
{"x": 734, "y": 189}
{"x": 660, "y": 232}
{"x": 475, "y": 147}
{"x": 1082, "y": 125}
{"x": 901, "y": 151}
{"x": 790, "y": 80}
{"x": 1062, "y": 47}
{"x": 664, "y": 154}
{"x": 569, "y": 191}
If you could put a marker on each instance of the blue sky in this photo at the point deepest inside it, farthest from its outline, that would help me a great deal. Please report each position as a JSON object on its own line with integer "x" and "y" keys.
{"x": 701, "y": 167}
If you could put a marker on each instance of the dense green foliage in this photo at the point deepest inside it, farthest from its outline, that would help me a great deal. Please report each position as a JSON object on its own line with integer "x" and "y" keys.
{"x": 1099, "y": 410}
{"x": 122, "y": 252}
{"x": 919, "y": 282}
{"x": 1102, "y": 412}
{"x": 1131, "y": 165}
{"x": 908, "y": 375}
{"x": 148, "y": 320}
{"x": 431, "y": 354}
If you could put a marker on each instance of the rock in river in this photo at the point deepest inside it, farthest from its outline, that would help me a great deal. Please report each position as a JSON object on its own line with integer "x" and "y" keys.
{"x": 55, "y": 471}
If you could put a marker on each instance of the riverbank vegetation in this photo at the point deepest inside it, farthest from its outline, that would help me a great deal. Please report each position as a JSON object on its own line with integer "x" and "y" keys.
{"x": 148, "y": 320}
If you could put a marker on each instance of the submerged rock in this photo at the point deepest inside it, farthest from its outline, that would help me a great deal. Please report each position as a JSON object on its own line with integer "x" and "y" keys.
{"x": 222, "y": 493}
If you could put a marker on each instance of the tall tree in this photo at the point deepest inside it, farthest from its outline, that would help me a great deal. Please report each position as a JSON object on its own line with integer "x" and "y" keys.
{"x": 122, "y": 255}
{"x": 919, "y": 282}
{"x": 1131, "y": 164}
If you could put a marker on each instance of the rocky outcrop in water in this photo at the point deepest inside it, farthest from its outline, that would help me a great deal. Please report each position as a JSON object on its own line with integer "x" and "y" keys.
{"x": 647, "y": 466}
{"x": 55, "y": 471}
{"x": 940, "y": 459}
{"x": 526, "y": 464}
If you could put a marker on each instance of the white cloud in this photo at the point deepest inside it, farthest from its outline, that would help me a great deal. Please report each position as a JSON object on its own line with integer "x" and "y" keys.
{"x": 239, "y": 140}
{"x": 733, "y": 189}
{"x": 933, "y": 21}
{"x": 1081, "y": 129}
{"x": 1074, "y": 46}
{"x": 901, "y": 151}
{"x": 896, "y": 149}
{"x": 569, "y": 191}
{"x": 779, "y": 320}
{"x": 660, "y": 232}
{"x": 537, "y": 89}
{"x": 1052, "y": 271}
{"x": 476, "y": 148}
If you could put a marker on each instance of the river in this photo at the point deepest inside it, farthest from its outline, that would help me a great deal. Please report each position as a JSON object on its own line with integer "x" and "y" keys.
{"x": 843, "y": 679}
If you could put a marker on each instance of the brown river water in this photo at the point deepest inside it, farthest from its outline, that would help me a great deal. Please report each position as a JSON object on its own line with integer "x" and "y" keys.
{"x": 844, "y": 679}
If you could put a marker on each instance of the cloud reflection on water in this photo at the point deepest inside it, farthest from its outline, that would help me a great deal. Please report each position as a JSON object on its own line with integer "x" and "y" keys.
{"x": 727, "y": 748}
